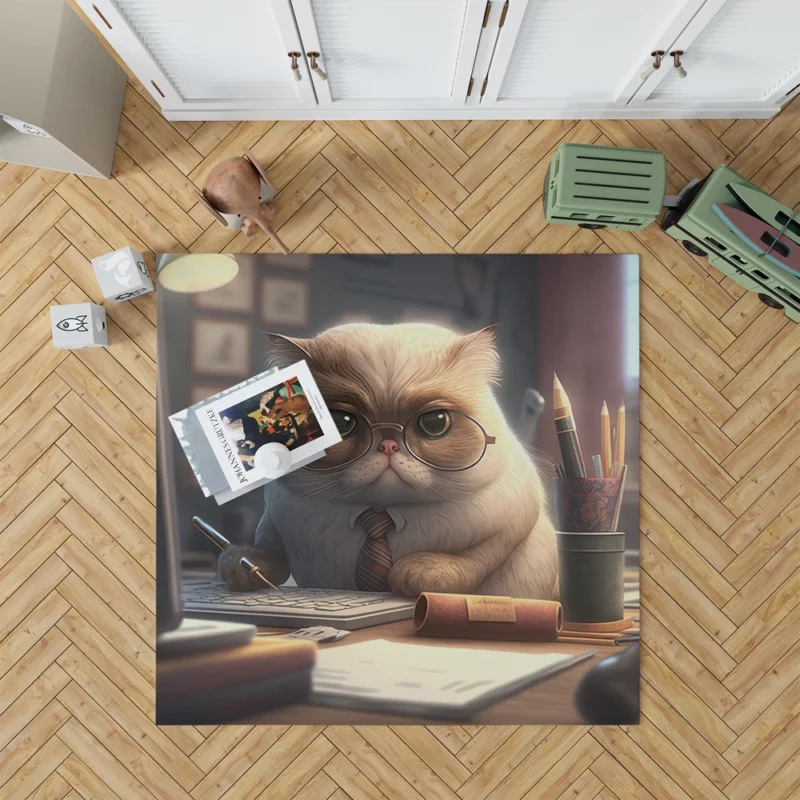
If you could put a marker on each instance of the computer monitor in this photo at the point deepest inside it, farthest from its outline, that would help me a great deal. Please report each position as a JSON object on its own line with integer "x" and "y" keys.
{"x": 175, "y": 633}
{"x": 168, "y": 568}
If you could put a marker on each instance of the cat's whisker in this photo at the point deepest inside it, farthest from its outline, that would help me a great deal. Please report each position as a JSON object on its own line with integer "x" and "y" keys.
{"x": 540, "y": 459}
{"x": 319, "y": 493}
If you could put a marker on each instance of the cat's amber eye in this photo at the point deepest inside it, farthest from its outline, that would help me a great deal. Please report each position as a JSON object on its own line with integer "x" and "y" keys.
{"x": 435, "y": 424}
{"x": 345, "y": 422}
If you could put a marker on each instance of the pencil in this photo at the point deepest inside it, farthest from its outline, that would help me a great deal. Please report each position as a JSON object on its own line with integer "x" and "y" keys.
{"x": 567, "y": 433}
{"x": 598, "y": 466}
{"x": 605, "y": 442}
{"x": 619, "y": 450}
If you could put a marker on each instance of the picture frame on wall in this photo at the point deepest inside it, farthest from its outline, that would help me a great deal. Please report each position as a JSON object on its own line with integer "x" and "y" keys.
{"x": 235, "y": 297}
{"x": 203, "y": 390}
{"x": 293, "y": 261}
{"x": 284, "y": 301}
{"x": 221, "y": 346}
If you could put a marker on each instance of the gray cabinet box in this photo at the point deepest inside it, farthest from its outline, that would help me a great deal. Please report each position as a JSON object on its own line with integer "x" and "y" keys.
{"x": 58, "y": 78}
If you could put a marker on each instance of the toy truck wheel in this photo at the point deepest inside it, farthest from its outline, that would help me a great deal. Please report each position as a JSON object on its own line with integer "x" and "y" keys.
{"x": 769, "y": 301}
{"x": 592, "y": 226}
{"x": 693, "y": 248}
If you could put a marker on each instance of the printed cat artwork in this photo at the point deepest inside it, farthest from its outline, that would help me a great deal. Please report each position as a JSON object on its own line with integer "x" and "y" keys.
{"x": 429, "y": 489}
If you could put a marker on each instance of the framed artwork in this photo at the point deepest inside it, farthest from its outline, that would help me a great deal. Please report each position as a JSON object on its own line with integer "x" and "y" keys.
{"x": 221, "y": 347}
{"x": 284, "y": 302}
{"x": 301, "y": 261}
{"x": 236, "y": 296}
{"x": 202, "y": 391}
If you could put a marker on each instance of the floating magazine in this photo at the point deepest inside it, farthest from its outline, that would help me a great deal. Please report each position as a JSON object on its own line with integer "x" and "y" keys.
{"x": 222, "y": 434}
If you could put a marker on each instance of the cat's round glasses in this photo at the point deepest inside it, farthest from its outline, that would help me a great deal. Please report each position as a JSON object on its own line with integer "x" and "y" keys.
{"x": 444, "y": 439}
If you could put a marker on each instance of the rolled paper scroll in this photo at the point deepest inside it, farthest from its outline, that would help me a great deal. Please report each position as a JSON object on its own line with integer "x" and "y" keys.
{"x": 512, "y": 619}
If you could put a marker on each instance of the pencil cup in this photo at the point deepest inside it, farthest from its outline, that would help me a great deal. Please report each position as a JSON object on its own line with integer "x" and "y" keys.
{"x": 586, "y": 504}
{"x": 591, "y": 573}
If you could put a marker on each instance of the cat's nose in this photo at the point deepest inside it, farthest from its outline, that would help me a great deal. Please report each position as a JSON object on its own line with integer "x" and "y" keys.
{"x": 388, "y": 447}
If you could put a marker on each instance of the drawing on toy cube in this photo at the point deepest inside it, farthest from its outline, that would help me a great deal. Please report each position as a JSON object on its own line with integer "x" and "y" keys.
{"x": 78, "y": 325}
{"x": 122, "y": 274}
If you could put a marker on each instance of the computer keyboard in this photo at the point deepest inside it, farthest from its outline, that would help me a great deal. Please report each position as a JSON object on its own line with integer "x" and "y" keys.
{"x": 292, "y": 606}
{"x": 207, "y": 591}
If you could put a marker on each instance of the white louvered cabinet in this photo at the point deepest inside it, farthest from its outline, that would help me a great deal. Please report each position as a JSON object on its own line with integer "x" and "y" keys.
{"x": 451, "y": 59}
{"x": 566, "y": 53}
{"x": 734, "y": 51}
{"x": 227, "y": 57}
{"x": 398, "y": 54}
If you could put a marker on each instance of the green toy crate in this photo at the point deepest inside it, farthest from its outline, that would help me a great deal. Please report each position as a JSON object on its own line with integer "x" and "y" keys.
{"x": 702, "y": 232}
{"x": 599, "y": 187}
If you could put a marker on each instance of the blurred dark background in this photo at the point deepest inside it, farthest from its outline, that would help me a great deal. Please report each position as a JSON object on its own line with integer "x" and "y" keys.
{"x": 577, "y": 315}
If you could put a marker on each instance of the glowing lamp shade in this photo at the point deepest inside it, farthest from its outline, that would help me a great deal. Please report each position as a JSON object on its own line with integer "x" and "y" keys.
{"x": 198, "y": 272}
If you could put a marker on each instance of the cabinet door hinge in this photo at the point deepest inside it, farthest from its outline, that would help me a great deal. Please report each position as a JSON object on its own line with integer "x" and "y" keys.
{"x": 469, "y": 88}
{"x": 503, "y": 15}
{"x": 483, "y": 88}
{"x": 487, "y": 12}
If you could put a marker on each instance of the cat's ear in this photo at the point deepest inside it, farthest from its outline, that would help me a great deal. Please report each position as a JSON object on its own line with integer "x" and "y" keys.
{"x": 477, "y": 352}
{"x": 285, "y": 350}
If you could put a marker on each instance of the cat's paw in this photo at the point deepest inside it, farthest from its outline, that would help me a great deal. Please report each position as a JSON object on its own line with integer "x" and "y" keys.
{"x": 428, "y": 572}
{"x": 235, "y": 575}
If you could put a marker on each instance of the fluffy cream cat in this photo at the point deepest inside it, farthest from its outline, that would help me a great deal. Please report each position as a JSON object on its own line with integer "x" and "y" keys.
{"x": 484, "y": 529}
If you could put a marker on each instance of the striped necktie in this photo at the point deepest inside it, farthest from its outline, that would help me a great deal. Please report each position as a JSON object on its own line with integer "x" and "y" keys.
{"x": 375, "y": 559}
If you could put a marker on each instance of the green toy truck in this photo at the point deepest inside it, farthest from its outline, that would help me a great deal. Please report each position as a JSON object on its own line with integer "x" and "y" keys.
{"x": 605, "y": 187}
{"x": 598, "y": 187}
{"x": 701, "y": 231}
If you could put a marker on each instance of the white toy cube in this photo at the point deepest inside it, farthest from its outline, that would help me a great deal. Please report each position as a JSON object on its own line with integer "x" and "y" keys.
{"x": 122, "y": 274}
{"x": 78, "y": 325}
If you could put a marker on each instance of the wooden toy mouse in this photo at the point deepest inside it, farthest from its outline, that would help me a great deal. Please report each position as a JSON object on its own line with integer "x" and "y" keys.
{"x": 234, "y": 188}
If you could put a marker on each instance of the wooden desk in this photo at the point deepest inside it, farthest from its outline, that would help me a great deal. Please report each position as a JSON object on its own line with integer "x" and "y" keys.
{"x": 547, "y": 703}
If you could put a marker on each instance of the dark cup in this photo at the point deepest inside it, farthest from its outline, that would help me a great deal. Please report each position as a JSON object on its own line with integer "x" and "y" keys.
{"x": 591, "y": 573}
{"x": 586, "y": 504}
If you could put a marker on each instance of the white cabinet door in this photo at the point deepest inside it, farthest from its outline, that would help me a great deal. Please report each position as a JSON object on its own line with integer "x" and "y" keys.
{"x": 391, "y": 54}
{"x": 210, "y": 54}
{"x": 741, "y": 51}
{"x": 572, "y": 53}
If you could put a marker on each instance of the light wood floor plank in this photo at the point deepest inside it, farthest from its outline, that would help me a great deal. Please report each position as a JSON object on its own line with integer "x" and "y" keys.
{"x": 658, "y": 710}
{"x": 91, "y": 425}
{"x": 31, "y": 266}
{"x": 90, "y": 605}
{"x": 782, "y": 675}
{"x": 558, "y": 779}
{"x": 437, "y": 143}
{"x": 426, "y": 168}
{"x": 402, "y": 180}
{"x": 159, "y": 131}
{"x": 129, "y": 716}
{"x": 358, "y": 172}
{"x": 95, "y": 574}
{"x": 27, "y": 234}
{"x": 490, "y": 191}
{"x": 97, "y": 722}
{"x": 224, "y": 768}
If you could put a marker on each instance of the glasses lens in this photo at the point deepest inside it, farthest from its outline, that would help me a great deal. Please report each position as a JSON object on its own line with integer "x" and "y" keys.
{"x": 356, "y": 441}
{"x": 446, "y": 439}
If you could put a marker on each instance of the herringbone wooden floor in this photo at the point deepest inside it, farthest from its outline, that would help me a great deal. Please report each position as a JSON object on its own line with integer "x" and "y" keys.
{"x": 720, "y": 409}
